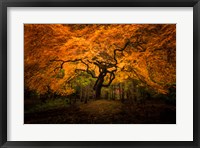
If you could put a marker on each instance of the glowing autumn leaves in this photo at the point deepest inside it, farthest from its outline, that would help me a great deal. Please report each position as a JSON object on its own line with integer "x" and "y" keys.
{"x": 100, "y": 50}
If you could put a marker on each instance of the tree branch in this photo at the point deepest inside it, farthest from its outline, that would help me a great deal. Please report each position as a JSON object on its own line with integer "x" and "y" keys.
{"x": 63, "y": 62}
{"x": 120, "y": 50}
{"x": 112, "y": 77}
{"x": 87, "y": 70}
{"x": 76, "y": 60}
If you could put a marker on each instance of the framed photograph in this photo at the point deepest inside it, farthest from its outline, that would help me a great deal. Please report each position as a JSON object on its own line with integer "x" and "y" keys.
{"x": 104, "y": 73}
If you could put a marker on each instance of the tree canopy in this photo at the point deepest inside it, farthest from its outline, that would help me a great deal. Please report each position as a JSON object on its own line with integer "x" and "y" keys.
{"x": 104, "y": 54}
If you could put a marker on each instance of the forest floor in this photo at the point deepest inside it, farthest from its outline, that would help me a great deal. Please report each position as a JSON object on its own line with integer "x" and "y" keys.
{"x": 106, "y": 112}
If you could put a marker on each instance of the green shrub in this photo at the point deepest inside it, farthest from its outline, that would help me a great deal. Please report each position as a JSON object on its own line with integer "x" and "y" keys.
{"x": 48, "y": 105}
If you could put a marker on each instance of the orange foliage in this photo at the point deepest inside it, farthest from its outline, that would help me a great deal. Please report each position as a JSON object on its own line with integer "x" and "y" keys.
{"x": 150, "y": 58}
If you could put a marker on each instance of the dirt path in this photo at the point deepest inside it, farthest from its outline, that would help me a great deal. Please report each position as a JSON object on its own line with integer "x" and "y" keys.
{"x": 104, "y": 112}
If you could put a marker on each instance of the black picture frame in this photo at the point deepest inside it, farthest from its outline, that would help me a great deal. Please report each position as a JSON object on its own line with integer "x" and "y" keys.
{"x": 99, "y": 3}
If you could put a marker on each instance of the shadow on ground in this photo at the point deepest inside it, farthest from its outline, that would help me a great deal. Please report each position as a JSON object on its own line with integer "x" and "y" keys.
{"x": 106, "y": 112}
